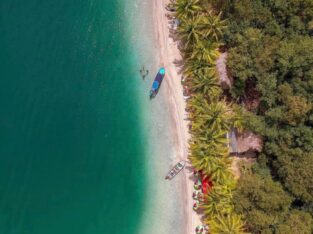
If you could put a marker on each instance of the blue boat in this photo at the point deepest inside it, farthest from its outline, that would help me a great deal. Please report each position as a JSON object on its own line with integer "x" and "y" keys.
{"x": 157, "y": 82}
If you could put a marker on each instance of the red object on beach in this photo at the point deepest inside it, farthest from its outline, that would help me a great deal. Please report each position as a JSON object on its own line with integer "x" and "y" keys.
{"x": 206, "y": 183}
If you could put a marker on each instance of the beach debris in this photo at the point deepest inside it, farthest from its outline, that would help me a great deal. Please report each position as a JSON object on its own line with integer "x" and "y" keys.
{"x": 196, "y": 174}
{"x": 143, "y": 72}
{"x": 195, "y": 195}
{"x": 170, "y": 7}
{"x": 206, "y": 183}
{"x": 197, "y": 184}
{"x": 174, "y": 23}
{"x": 196, "y": 205}
{"x": 175, "y": 170}
{"x": 199, "y": 229}
{"x": 169, "y": 16}
{"x": 200, "y": 196}
{"x": 186, "y": 92}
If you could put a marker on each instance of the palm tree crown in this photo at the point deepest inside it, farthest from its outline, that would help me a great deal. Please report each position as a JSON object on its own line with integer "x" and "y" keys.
{"x": 229, "y": 224}
{"x": 187, "y": 8}
{"x": 215, "y": 25}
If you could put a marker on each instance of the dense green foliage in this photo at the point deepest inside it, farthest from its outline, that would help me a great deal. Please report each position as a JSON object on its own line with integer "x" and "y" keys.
{"x": 211, "y": 116}
{"x": 267, "y": 207}
{"x": 270, "y": 57}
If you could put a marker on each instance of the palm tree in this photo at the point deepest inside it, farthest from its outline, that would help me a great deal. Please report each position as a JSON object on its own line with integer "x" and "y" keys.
{"x": 206, "y": 161}
{"x": 204, "y": 85}
{"x": 202, "y": 82}
{"x": 221, "y": 174}
{"x": 196, "y": 105}
{"x": 186, "y": 8}
{"x": 213, "y": 115}
{"x": 215, "y": 25}
{"x": 218, "y": 201}
{"x": 216, "y": 136}
{"x": 226, "y": 224}
{"x": 200, "y": 149}
{"x": 205, "y": 50}
{"x": 190, "y": 31}
{"x": 201, "y": 77}
{"x": 214, "y": 162}
{"x": 238, "y": 117}
{"x": 193, "y": 66}
{"x": 203, "y": 74}
{"x": 225, "y": 190}
{"x": 212, "y": 205}
{"x": 218, "y": 115}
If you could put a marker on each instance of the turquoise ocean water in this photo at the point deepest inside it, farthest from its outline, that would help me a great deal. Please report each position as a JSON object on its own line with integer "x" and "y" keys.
{"x": 71, "y": 142}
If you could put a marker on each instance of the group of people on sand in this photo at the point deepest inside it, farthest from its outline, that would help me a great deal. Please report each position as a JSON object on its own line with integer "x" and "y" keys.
{"x": 143, "y": 72}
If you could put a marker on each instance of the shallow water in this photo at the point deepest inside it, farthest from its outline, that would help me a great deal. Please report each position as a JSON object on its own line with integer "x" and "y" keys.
{"x": 163, "y": 211}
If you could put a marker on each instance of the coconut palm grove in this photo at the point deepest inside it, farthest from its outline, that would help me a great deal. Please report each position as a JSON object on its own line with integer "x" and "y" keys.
{"x": 270, "y": 59}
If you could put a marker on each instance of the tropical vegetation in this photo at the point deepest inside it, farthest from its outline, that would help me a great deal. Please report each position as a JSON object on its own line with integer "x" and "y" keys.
{"x": 270, "y": 58}
{"x": 211, "y": 116}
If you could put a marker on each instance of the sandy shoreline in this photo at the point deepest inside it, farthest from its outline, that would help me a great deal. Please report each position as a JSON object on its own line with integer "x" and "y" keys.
{"x": 169, "y": 53}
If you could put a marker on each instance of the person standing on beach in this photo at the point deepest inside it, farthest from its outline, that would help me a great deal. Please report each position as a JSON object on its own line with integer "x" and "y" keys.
{"x": 144, "y": 72}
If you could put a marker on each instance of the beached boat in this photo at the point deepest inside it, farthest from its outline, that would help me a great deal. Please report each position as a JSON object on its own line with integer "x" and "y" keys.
{"x": 157, "y": 82}
{"x": 175, "y": 170}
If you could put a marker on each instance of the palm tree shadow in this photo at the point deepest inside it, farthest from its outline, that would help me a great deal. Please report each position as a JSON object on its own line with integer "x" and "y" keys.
{"x": 174, "y": 35}
{"x": 179, "y": 63}
{"x": 190, "y": 170}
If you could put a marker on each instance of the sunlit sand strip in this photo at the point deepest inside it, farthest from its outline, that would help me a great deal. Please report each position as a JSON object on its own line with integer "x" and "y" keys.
{"x": 169, "y": 56}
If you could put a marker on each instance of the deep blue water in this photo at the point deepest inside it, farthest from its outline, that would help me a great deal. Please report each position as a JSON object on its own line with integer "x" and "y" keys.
{"x": 71, "y": 147}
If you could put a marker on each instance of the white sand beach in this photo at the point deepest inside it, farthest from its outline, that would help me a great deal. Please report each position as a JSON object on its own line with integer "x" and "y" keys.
{"x": 169, "y": 56}
{"x": 168, "y": 204}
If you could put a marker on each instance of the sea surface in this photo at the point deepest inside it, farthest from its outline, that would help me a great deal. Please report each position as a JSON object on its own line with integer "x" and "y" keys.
{"x": 82, "y": 148}
{"x": 72, "y": 144}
